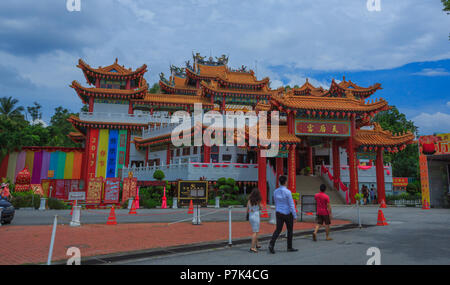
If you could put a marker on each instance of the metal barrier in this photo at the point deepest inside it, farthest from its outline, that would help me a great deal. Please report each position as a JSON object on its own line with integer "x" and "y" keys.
{"x": 308, "y": 205}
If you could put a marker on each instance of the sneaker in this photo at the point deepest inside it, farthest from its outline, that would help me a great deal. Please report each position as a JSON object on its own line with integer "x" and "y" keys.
{"x": 328, "y": 238}
{"x": 271, "y": 250}
{"x": 292, "y": 249}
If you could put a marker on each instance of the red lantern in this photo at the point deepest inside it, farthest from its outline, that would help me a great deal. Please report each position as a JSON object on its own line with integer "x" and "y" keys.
{"x": 320, "y": 113}
{"x": 314, "y": 113}
{"x": 365, "y": 148}
{"x": 338, "y": 114}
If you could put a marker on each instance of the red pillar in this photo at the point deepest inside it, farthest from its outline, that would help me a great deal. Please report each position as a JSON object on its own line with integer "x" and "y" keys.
{"x": 292, "y": 176}
{"x": 130, "y": 108}
{"x": 336, "y": 164}
{"x": 290, "y": 123}
{"x": 127, "y": 154}
{"x": 206, "y": 154}
{"x": 168, "y": 154}
{"x": 128, "y": 87}
{"x": 279, "y": 168}
{"x": 91, "y": 104}
{"x": 86, "y": 158}
{"x": 380, "y": 175}
{"x": 353, "y": 169}
{"x": 97, "y": 82}
{"x": 262, "y": 181}
{"x": 310, "y": 159}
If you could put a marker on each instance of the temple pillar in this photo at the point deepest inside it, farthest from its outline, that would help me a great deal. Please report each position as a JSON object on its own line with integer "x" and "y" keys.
{"x": 353, "y": 169}
{"x": 206, "y": 154}
{"x": 380, "y": 175}
{"x": 127, "y": 153}
{"x": 290, "y": 122}
{"x": 91, "y": 104}
{"x": 86, "y": 158}
{"x": 336, "y": 164}
{"x": 279, "y": 168}
{"x": 310, "y": 159}
{"x": 168, "y": 154}
{"x": 128, "y": 87}
{"x": 130, "y": 108}
{"x": 292, "y": 176}
{"x": 97, "y": 82}
{"x": 262, "y": 180}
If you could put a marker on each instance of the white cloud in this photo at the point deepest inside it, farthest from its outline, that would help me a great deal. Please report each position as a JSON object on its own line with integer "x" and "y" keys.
{"x": 430, "y": 123}
{"x": 433, "y": 72}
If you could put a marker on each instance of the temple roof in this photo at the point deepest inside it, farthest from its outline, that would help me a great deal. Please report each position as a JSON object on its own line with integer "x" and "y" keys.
{"x": 76, "y": 137}
{"x": 81, "y": 125}
{"x": 212, "y": 87}
{"x": 113, "y": 71}
{"x": 85, "y": 92}
{"x": 379, "y": 137}
{"x": 175, "y": 99}
{"x": 177, "y": 85}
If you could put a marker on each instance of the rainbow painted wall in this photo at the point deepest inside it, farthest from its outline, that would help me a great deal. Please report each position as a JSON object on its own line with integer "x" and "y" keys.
{"x": 43, "y": 164}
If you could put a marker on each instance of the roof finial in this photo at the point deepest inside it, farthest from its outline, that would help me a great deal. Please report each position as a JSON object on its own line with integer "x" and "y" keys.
{"x": 343, "y": 78}
{"x": 116, "y": 59}
{"x": 306, "y": 79}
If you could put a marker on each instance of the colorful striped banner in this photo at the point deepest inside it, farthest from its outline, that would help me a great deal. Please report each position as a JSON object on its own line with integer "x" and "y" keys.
{"x": 68, "y": 168}
{"x": 77, "y": 161}
{"x": 20, "y": 163}
{"x": 61, "y": 164}
{"x": 37, "y": 166}
{"x": 29, "y": 159}
{"x": 103, "y": 142}
{"x": 45, "y": 165}
{"x": 121, "y": 150}
{"x": 53, "y": 164}
{"x": 12, "y": 162}
{"x": 112, "y": 154}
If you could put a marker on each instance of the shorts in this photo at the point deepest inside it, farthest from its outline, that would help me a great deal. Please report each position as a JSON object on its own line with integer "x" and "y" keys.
{"x": 323, "y": 219}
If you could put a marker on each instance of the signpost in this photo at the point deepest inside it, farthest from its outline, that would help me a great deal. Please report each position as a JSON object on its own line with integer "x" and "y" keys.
{"x": 197, "y": 191}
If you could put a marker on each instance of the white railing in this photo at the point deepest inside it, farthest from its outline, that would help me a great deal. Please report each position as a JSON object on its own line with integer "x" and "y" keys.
{"x": 139, "y": 118}
{"x": 196, "y": 170}
{"x": 158, "y": 130}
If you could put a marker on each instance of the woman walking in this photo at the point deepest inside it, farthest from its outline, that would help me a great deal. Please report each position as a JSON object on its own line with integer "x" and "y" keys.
{"x": 253, "y": 208}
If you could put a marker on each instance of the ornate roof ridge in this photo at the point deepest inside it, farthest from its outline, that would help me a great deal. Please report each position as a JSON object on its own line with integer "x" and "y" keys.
{"x": 121, "y": 70}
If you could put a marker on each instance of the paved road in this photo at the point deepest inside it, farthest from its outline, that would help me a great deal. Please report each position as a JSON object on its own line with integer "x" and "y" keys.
{"x": 414, "y": 236}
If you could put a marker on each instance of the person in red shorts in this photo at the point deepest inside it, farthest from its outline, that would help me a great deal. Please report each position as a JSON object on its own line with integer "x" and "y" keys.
{"x": 323, "y": 212}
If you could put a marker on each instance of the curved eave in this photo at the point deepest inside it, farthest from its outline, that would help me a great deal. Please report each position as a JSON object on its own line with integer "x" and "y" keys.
{"x": 175, "y": 100}
{"x": 356, "y": 90}
{"x": 96, "y": 73}
{"x": 191, "y": 74}
{"x": 119, "y": 94}
{"x": 208, "y": 90}
{"x": 177, "y": 90}
{"x": 81, "y": 126}
{"x": 256, "y": 84}
{"x": 372, "y": 138}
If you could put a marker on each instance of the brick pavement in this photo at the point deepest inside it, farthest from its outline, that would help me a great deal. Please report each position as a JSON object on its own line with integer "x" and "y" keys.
{"x": 30, "y": 244}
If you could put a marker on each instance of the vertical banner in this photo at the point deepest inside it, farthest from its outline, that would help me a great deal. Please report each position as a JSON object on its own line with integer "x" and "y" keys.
{"x": 45, "y": 186}
{"x": 94, "y": 193}
{"x": 424, "y": 181}
{"x": 92, "y": 153}
{"x": 77, "y": 161}
{"x": 20, "y": 165}
{"x": 112, "y": 189}
{"x": 102, "y": 153}
{"x": 53, "y": 164}
{"x": 29, "y": 159}
{"x": 45, "y": 165}
{"x": 59, "y": 189}
{"x": 4, "y": 166}
{"x": 37, "y": 166}
{"x": 61, "y": 165}
{"x": 121, "y": 150}
{"x": 68, "y": 167}
{"x": 129, "y": 188}
{"x": 12, "y": 166}
{"x": 112, "y": 153}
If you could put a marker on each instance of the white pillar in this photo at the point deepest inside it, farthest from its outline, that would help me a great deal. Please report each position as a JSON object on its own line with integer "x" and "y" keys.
{"x": 76, "y": 216}
{"x": 42, "y": 205}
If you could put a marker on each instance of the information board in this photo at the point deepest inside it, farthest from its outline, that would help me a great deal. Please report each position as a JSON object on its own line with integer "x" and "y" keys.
{"x": 129, "y": 188}
{"x": 94, "y": 193}
{"x": 112, "y": 189}
{"x": 197, "y": 191}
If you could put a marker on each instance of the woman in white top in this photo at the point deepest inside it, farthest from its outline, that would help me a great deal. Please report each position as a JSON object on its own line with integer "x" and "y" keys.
{"x": 253, "y": 208}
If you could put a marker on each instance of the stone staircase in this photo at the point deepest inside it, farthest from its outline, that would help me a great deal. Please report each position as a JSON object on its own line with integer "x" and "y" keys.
{"x": 310, "y": 185}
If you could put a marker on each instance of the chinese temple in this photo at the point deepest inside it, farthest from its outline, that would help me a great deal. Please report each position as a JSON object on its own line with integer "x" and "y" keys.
{"x": 328, "y": 133}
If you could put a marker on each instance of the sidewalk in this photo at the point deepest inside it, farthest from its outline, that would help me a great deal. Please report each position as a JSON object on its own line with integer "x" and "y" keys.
{"x": 30, "y": 244}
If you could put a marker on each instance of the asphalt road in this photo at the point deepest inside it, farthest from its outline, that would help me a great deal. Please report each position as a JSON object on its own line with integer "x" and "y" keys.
{"x": 413, "y": 236}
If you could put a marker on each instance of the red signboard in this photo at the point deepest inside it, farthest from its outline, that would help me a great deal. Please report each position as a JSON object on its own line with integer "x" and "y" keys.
{"x": 399, "y": 181}
{"x": 129, "y": 188}
{"x": 112, "y": 189}
{"x": 92, "y": 154}
{"x": 94, "y": 192}
{"x": 322, "y": 128}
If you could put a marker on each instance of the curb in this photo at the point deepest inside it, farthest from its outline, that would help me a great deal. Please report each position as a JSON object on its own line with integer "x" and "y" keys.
{"x": 154, "y": 252}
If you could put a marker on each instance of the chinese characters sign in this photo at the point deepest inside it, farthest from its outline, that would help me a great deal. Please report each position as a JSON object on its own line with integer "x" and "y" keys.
{"x": 129, "y": 188}
{"x": 322, "y": 128}
{"x": 192, "y": 190}
{"x": 92, "y": 152}
{"x": 94, "y": 193}
{"x": 112, "y": 189}
{"x": 399, "y": 181}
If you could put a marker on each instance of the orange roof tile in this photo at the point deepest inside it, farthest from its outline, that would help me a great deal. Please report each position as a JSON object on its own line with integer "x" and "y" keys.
{"x": 380, "y": 137}
{"x": 85, "y": 92}
{"x": 175, "y": 99}
{"x": 213, "y": 87}
{"x": 113, "y": 69}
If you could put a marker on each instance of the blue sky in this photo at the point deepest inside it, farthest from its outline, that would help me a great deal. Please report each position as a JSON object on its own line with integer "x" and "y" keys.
{"x": 404, "y": 46}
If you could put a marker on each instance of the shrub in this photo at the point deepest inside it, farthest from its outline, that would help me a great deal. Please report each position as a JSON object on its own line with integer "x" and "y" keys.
{"x": 25, "y": 200}
{"x": 159, "y": 175}
{"x": 56, "y": 204}
{"x": 150, "y": 203}
{"x": 411, "y": 188}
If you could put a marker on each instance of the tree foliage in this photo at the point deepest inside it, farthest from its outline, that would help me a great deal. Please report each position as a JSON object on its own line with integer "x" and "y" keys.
{"x": 446, "y": 4}
{"x": 404, "y": 163}
{"x": 155, "y": 89}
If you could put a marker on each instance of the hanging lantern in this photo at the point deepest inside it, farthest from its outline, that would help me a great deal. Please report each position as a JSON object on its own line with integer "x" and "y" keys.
{"x": 338, "y": 114}
{"x": 320, "y": 113}
{"x": 326, "y": 113}
{"x": 332, "y": 114}
{"x": 308, "y": 112}
{"x": 370, "y": 148}
{"x": 365, "y": 148}
{"x": 389, "y": 149}
{"x": 314, "y": 113}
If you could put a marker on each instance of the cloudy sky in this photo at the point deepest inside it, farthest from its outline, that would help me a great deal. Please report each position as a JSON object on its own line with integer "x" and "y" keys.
{"x": 405, "y": 46}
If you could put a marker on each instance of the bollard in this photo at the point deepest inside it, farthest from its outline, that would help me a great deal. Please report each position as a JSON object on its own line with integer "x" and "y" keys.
{"x": 52, "y": 241}
{"x": 130, "y": 202}
{"x": 229, "y": 226}
{"x": 217, "y": 203}
{"x": 359, "y": 218}
{"x": 175, "y": 203}
{"x": 196, "y": 217}
{"x": 42, "y": 205}
{"x": 273, "y": 219}
{"x": 76, "y": 216}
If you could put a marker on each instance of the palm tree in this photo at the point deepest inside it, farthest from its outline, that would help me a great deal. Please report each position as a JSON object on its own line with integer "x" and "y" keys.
{"x": 8, "y": 108}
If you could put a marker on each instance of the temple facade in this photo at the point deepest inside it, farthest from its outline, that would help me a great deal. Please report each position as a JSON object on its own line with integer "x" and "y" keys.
{"x": 322, "y": 132}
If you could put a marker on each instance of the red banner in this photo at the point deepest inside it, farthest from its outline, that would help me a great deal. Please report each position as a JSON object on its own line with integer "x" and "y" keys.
{"x": 129, "y": 188}
{"x": 94, "y": 192}
{"x": 92, "y": 155}
{"x": 112, "y": 189}
{"x": 399, "y": 181}
{"x": 320, "y": 128}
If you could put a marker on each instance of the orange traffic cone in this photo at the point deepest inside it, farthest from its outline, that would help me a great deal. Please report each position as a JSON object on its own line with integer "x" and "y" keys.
{"x": 425, "y": 205}
{"x": 264, "y": 213}
{"x": 133, "y": 208}
{"x": 112, "y": 217}
{"x": 383, "y": 204}
{"x": 71, "y": 212}
{"x": 191, "y": 208}
{"x": 381, "y": 220}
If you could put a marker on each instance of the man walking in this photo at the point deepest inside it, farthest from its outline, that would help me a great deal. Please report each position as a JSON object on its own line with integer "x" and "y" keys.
{"x": 323, "y": 212}
{"x": 285, "y": 213}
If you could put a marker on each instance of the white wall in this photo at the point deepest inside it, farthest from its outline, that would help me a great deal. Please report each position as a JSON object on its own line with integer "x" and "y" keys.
{"x": 111, "y": 108}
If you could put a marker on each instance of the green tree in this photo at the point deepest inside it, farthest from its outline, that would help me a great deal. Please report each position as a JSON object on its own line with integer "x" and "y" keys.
{"x": 60, "y": 127}
{"x": 159, "y": 175}
{"x": 35, "y": 111}
{"x": 8, "y": 108}
{"x": 404, "y": 163}
{"x": 155, "y": 88}
{"x": 446, "y": 4}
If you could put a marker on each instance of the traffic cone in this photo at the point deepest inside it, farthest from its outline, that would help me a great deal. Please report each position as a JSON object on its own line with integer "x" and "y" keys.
{"x": 137, "y": 198}
{"x": 425, "y": 205}
{"x": 264, "y": 213}
{"x": 309, "y": 214}
{"x": 381, "y": 220}
{"x": 133, "y": 208}
{"x": 383, "y": 204}
{"x": 112, "y": 217}
{"x": 164, "y": 200}
{"x": 191, "y": 208}
{"x": 71, "y": 212}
